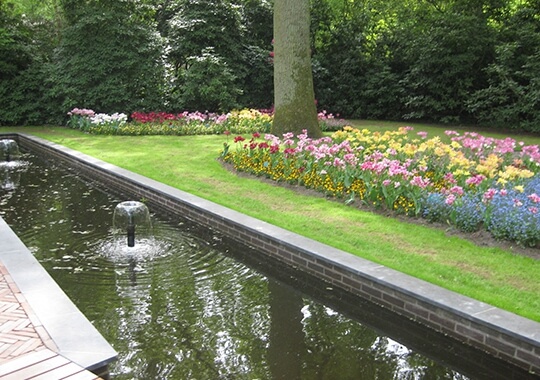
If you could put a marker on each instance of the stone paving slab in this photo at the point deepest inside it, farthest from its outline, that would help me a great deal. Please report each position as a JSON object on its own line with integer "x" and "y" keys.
{"x": 50, "y": 314}
{"x": 26, "y": 349}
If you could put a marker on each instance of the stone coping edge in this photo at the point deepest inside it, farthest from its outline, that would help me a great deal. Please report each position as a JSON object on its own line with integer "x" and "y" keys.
{"x": 502, "y": 334}
{"x": 72, "y": 333}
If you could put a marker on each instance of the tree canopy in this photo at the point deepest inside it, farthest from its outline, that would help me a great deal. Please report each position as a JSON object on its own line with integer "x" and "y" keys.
{"x": 449, "y": 61}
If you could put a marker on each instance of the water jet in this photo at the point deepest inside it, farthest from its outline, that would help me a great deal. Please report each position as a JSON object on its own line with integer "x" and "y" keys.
{"x": 131, "y": 215}
{"x": 9, "y": 149}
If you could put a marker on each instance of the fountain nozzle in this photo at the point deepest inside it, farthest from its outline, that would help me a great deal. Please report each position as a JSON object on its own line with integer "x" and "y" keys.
{"x": 131, "y": 235}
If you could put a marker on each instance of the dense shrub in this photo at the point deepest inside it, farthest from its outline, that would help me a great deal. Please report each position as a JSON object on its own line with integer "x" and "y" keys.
{"x": 106, "y": 60}
{"x": 256, "y": 78}
{"x": 449, "y": 62}
{"x": 208, "y": 83}
{"x": 25, "y": 44}
{"x": 444, "y": 66}
{"x": 435, "y": 61}
{"x": 512, "y": 98}
{"x": 23, "y": 98}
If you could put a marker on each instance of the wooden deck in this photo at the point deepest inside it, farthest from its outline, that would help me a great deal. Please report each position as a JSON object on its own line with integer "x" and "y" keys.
{"x": 26, "y": 350}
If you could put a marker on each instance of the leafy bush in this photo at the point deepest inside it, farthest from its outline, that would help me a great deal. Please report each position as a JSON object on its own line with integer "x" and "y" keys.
{"x": 256, "y": 78}
{"x": 107, "y": 60}
{"x": 512, "y": 99}
{"x": 444, "y": 67}
{"x": 25, "y": 45}
{"x": 24, "y": 101}
{"x": 208, "y": 83}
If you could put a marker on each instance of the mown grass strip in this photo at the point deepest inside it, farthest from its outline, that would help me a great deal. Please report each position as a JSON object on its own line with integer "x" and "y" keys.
{"x": 489, "y": 274}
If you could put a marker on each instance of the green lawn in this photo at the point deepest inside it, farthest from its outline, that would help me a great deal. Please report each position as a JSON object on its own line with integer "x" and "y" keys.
{"x": 492, "y": 275}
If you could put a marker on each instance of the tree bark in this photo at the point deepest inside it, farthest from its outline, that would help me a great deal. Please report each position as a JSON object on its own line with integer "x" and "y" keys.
{"x": 294, "y": 97}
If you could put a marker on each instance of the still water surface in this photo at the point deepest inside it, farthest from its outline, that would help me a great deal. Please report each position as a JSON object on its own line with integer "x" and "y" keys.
{"x": 190, "y": 304}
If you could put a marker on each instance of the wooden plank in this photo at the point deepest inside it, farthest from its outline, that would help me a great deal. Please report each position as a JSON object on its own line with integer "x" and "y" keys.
{"x": 9, "y": 350}
{"x": 86, "y": 375}
{"x": 6, "y": 338}
{"x": 25, "y": 360}
{"x": 70, "y": 369}
{"x": 36, "y": 369}
{"x": 28, "y": 346}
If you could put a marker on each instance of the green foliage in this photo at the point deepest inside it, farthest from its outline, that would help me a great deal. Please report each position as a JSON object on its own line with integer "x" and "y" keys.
{"x": 23, "y": 99}
{"x": 340, "y": 66}
{"x": 217, "y": 54}
{"x": 204, "y": 47}
{"x": 202, "y": 24}
{"x": 26, "y": 42}
{"x": 256, "y": 78}
{"x": 15, "y": 42}
{"x": 207, "y": 83}
{"x": 444, "y": 65}
{"x": 254, "y": 71}
{"x": 453, "y": 61}
{"x": 512, "y": 99}
{"x": 435, "y": 61}
{"x": 256, "y": 16}
{"x": 106, "y": 60}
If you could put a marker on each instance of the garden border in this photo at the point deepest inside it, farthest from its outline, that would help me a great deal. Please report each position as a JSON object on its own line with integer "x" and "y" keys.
{"x": 505, "y": 335}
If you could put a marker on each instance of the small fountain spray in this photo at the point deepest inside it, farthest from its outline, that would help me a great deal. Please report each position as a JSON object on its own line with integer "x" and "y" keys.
{"x": 11, "y": 165}
{"x": 9, "y": 150}
{"x": 131, "y": 217}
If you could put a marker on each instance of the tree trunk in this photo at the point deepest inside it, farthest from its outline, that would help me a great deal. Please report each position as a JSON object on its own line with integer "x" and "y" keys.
{"x": 294, "y": 97}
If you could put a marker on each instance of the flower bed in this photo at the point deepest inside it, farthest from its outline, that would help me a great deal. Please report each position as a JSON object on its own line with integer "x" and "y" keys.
{"x": 87, "y": 120}
{"x": 186, "y": 123}
{"x": 470, "y": 181}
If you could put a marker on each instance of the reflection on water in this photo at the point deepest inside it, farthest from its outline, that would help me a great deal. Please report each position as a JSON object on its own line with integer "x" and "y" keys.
{"x": 188, "y": 304}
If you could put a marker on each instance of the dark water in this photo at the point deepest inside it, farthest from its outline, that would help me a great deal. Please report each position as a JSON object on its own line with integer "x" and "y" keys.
{"x": 192, "y": 305}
